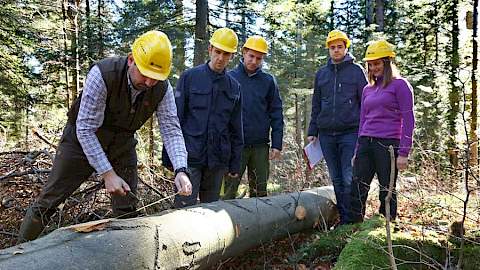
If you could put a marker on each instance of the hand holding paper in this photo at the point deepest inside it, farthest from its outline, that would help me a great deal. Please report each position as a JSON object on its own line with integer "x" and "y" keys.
{"x": 313, "y": 153}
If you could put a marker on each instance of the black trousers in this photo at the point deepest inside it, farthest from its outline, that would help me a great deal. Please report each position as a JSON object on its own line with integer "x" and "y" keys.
{"x": 372, "y": 158}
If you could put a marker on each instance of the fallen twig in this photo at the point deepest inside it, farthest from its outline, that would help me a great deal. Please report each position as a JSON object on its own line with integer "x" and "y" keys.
{"x": 9, "y": 233}
{"x": 41, "y": 137}
{"x": 17, "y": 174}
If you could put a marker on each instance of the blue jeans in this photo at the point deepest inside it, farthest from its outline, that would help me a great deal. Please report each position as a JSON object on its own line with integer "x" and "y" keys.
{"x": 338, "y": 151}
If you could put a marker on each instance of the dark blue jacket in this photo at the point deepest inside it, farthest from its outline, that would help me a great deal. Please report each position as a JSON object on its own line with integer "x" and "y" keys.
{"x": 261, "y": 107}
{"x": 209, "y": 110}
{"x": 336, "y": 98}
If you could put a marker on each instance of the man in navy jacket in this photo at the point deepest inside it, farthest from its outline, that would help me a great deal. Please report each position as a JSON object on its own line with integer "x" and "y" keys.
{"x": 209, "y": 109}
{"x": 335, "y": 115}
{"x": 262, "y": 116}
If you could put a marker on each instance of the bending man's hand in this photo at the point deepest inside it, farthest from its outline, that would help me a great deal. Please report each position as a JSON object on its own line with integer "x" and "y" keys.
{"x": 114, "y": 184}
{"x": 184, "y": 186}
{"x": 311, "y": 138}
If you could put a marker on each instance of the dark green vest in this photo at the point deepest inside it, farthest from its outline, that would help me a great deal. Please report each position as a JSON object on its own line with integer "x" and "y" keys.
{"x": 121, "y": 117}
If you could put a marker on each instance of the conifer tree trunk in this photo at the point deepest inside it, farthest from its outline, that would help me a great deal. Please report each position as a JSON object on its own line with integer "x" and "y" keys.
{"x": 201, "y": 39}
{"x": 89, "y": 48}
{"x": 368, "y": 12}
{"x": 332, "y": 15}
{"x": 66, "y": 53}
{"x": 180, "y": 49}
{"x": 244, "y": 24}
{"x": 101, "y": 45}
{"x": 454, "y": 95}
{"x": 379, "y": 15}
{"x": 474, "y": 114}
{"x": 227, "y": 13}
{"x": 73, "y": 6}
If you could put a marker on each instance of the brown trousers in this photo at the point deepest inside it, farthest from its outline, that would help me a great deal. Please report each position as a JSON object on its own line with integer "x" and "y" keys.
{"x": 70, "y": 169}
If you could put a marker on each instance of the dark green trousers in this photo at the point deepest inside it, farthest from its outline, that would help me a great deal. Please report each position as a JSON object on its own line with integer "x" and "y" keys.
{"x": 70, "y": 169}
{"x": 255, "y": 160}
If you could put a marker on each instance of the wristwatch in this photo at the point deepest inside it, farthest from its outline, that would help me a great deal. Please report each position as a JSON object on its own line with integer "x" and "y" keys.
{"x": 184, "y": 170}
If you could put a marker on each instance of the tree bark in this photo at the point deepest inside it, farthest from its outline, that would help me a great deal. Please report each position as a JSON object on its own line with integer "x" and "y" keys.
{"x": 180, "y": 49}
{"x": 201, "y": 44}
{"x": 191, "y": 238}
{"x": 332, "y": 15}
{"x": 89, "y": 42}
{"x": 368, "y": 12}
{"x": 454, "y": 95}
{"x": 73, "y": 6}
{"x": 379, "y": 15}
{"x": 243, "y": 23}
{"x": 101, "y": 45}
{"x": 66, "y": 53}
{"x": 227, "y": 13}
{"x": 474, "y": 114}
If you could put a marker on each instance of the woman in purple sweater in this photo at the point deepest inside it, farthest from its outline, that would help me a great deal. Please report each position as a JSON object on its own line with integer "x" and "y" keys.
{"x": 386, "y": 118}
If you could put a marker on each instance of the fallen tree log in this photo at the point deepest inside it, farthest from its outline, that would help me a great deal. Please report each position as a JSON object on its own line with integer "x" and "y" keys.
{"x": 190, "y": 238}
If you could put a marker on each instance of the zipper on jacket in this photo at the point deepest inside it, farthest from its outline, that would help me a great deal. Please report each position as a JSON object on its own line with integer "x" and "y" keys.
{"x": 334, "y": 92}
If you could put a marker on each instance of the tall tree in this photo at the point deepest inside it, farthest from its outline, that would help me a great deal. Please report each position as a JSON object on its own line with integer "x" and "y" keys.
{"x": 72, "y": 12}
{"x": 66, "y": 53}
{"x": 454, "y": 95}
{"x": 201, "y": 32}
{"x": 101, "y": 46}
{"x": 368, "y": 12}
{"x": 474, "y": 114}
{"x": 181, "y": 37}
{"x": 379, "y": 15}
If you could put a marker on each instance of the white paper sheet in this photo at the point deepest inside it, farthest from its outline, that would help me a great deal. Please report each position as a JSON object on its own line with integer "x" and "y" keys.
{"x": 313, "y": 153}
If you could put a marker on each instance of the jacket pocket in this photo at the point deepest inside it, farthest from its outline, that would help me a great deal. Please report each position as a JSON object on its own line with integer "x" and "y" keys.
{"x": 348, "y": 104}
{"x": 195, "y": 122}
{"x": 198, "y": 99}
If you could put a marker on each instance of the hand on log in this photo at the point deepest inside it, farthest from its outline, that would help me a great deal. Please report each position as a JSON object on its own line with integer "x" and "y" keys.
{"x": 115, "y": 184}
{"x": 184, "y": 186}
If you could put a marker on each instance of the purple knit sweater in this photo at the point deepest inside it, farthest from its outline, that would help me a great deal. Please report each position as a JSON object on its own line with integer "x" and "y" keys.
{"x": 388, "y": 113}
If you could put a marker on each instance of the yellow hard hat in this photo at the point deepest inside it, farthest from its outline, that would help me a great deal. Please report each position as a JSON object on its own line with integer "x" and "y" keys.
{"x": 335, "y": 35}
{"x": 379, "y": 49}
{"x": 256, "y": 43}
{"x": 152, "y": 53}
{"x": 225, "y": 39}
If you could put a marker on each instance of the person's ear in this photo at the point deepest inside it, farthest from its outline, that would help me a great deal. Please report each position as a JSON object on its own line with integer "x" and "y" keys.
{"x": 130, "y": 61}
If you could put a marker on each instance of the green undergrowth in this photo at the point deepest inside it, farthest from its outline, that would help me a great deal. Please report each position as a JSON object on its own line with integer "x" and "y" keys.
{"x": 363, "y": 246}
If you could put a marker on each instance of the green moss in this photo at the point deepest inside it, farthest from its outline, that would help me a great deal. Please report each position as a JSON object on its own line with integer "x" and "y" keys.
{"x": 328, "y": 245}
{"x": 470, "y": 259}
{"x": 363, "y": 246}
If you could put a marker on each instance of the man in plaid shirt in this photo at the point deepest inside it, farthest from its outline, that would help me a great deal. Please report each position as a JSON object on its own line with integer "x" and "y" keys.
{"x": 119, "y": 96}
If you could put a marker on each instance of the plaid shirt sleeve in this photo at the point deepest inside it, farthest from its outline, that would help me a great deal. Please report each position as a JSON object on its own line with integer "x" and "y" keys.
{"x": 171, "y": 131}
{"x": 90, "y": 118}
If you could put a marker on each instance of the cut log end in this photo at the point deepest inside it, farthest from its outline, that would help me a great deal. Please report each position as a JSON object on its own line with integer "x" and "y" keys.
{"x": 300, "y": 212}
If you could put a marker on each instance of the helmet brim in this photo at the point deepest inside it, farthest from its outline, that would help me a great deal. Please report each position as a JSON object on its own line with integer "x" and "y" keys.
{"x": 156, "y": 75}
{"x": 222, "y": 47}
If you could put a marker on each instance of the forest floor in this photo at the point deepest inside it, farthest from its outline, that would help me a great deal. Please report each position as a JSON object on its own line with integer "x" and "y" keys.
{"x": 422, "y": 207}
